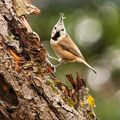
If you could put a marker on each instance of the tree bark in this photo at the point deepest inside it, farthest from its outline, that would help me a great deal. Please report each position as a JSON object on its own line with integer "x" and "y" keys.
{"x": 27, "y": 81}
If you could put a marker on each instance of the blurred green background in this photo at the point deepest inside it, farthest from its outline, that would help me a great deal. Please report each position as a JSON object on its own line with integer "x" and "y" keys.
{"x": 94, "y": 26}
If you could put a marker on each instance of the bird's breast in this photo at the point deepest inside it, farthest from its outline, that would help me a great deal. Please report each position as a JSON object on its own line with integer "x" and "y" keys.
{"x": 61, "y": 53}
{"x": 56, "y": 47}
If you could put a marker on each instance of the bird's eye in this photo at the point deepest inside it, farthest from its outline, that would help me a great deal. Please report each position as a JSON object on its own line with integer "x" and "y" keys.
{"x": 62, "y": 30}
{"x": 55, "y": 28}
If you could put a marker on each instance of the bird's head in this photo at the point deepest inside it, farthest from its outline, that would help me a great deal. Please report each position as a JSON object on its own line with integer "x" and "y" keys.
{"x": 59, "y": 30}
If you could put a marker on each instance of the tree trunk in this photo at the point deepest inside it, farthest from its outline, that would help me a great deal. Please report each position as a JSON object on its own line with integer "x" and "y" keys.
{"x": 28, "y": 87}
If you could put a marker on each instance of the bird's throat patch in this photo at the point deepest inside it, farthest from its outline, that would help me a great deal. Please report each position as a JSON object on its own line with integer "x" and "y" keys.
{"x": 57, "y": 35}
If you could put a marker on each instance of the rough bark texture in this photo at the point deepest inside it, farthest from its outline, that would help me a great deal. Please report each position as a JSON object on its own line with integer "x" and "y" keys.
{"x": 27, "y": 90}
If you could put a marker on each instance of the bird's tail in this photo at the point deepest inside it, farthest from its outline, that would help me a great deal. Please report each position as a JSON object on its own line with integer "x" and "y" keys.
{"x": 85, "y": 63}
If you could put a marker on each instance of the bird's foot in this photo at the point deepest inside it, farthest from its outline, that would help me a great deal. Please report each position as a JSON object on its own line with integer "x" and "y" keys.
{"x": 60, "y": 62}
{"x": 52, "y": 66}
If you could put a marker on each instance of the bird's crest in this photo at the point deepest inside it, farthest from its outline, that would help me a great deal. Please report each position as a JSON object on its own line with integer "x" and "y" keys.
{"x": 62, "y": 17}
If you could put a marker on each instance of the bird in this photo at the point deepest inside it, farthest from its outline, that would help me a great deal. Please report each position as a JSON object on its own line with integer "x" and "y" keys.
{"x": 63, "y": 45}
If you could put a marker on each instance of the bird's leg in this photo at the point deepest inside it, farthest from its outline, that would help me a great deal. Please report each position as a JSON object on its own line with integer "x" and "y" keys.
{"x": 50, "y": 63}
{"x": 52, "y": 57}
{"x": 53, "y": 67}
{"x": 60, "y": 62}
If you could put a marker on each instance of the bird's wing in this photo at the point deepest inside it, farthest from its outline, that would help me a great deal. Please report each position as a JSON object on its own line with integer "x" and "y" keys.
{"x": 68, "y": 45}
